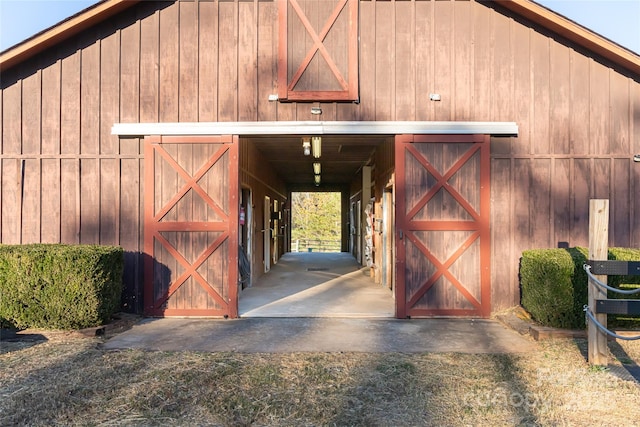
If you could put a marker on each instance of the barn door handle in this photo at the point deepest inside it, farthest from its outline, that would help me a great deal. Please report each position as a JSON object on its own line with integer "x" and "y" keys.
{"x": 401, "y": 234}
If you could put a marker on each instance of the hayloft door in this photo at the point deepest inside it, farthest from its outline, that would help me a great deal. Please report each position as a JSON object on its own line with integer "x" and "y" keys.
{"x": 191, "y": 226}
{"x": 318, "y": 50}
{"x": 442, "y": 225}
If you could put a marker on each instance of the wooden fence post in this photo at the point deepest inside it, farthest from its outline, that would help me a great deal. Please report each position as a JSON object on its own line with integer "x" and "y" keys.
{"x": 598, "y": 249}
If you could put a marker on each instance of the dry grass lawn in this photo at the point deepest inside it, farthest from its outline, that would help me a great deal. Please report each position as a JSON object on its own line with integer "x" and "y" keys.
{"x": 68, "y": 380}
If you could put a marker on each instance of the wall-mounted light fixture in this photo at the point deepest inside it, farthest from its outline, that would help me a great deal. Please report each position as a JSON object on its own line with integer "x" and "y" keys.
{"x": 316, "y": 144}
{"x": 316, "y": 111}
{"x": 316, "y": 180}
{"x": 306, "y": 146}
{"x": 636, "y": 158}
{"x": 316, "y": 168}
{"x": 435, "y": 97}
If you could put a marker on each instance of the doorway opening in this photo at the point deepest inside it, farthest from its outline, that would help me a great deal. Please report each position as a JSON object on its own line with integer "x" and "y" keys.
{"x": 316, "y": 222}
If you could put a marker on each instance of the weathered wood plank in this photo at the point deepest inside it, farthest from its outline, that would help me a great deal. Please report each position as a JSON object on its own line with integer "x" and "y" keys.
{"x": 130, "y": 70}
{"x": 109, "y": 218}
{"x": 540, "y": 52}
{"x": 620, "y": 203}
{"x": 51, "y": 109}
{"x": 384, "y": 61}
{"x": 462, "y": 53}
{"x": 11, "y": 201}
{"x": 228, "y": 62}
{"x": 11, "y": 119}
{"x": 583, "y": 191}
{"x": 521, "y": 202}
{"x": 522, "y": 89}
{"x": 31, "y": 205}
{"x": 31, "y": 111}
{"x": 50, "y": 208}
{"x": 247, "y": 61}
{"x": 188, "y": 62}
{"x": 579, "y": 78}
{"x": 619, "y": 116}
{"x": 90, "y": 99}
{"x": 599, "y": 119}
{"x": 423, "y": 59}
{"x": 89, "y": 201}
{"x": 405, "y": 72}
{"x": 169, "y": 64}
{"x": 502, "y": 102}
{"x": 110, "y": 92}
{"x": 267, "y": 59}
{"x": 559, "y": 98}
{"x": 503, "y": 293}
{"x": 69, "y": 201}
{"x": 482, "y": 61}
{"x": 70, "y": 100}
{"x": 561, "y": 201}
{"x": 149, "y": 64}
{"x": 208, "y": 62}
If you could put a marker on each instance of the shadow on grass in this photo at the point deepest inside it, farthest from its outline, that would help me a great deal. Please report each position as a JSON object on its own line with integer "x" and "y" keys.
{"x": 630, "y": 365}
{"x": 13, "y": 340}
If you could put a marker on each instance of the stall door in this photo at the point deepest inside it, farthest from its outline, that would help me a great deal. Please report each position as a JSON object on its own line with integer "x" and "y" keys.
{"x": 191, "y": 226}
{"x": 442, "y": 225}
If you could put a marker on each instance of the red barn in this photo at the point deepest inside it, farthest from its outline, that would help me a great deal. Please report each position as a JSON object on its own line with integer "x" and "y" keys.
{"x": 472, "y": 129}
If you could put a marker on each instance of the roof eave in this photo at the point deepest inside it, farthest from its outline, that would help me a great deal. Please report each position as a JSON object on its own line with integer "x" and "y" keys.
{"x": 62, "y": 31}
{"x": 574, "y": 32}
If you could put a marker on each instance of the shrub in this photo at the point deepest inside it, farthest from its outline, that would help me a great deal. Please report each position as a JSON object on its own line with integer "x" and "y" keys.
{"x": 549, "y": 291}
{"x": 554, "y": 285}
{"x": 59, "y": 286}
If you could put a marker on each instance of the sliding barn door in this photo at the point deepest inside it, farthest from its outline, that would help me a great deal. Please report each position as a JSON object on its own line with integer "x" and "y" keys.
{"x": 191, "y": 226}
{"x": 442, "y": 218}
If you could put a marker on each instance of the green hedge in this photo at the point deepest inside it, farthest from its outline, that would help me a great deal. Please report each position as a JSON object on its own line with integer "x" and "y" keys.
{"x": 554, "y": 284}
{"x": 59, "y": 286}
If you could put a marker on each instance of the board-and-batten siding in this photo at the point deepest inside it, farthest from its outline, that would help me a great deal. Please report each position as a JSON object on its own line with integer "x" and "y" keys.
{"x": 578, "y": 118}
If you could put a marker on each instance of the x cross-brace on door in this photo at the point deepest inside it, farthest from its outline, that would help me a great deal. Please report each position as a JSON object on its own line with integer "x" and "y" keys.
{"x": 191, "y": 226}
{"x": 443, "y": 237}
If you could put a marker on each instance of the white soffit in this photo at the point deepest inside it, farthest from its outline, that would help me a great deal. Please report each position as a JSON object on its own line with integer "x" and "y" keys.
{"x": 315, "y": 128}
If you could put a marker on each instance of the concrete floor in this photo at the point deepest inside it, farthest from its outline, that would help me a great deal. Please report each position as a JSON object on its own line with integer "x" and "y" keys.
{"x": 311, "y": 284}
{"x": 320, "y": 302}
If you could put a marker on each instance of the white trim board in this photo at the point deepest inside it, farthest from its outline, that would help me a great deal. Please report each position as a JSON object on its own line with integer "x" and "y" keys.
{"x": 315, "y": 128}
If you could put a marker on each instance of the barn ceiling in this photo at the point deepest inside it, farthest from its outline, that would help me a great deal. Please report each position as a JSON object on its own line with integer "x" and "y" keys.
{"x": 342, "y": 157}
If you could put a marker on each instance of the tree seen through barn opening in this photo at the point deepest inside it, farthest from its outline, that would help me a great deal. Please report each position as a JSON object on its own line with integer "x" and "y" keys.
{"x": 315, "y": 219}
